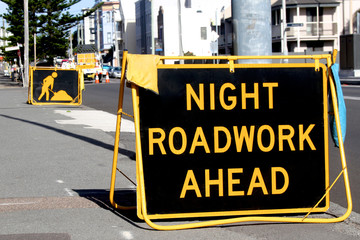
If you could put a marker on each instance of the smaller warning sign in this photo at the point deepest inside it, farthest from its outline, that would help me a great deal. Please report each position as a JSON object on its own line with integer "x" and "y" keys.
{"x": 53, "y": 86}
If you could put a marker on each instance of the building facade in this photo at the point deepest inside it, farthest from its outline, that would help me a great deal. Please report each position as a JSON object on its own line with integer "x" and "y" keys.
{"x": 319, "y": 28}
{"x": 126, "y": 33}
{"x": 4, "y": 33}
{"x": 102, "y": 29}
{"x": 180, "y": 27}
{"x": 86, "y": 29}
{"x": 324, "y": 21}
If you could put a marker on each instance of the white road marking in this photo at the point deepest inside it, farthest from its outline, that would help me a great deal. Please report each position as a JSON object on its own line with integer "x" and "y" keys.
{"x": 70, "y": 192}
{"x": 127, "y": 235}
{"x": 95, "y": 119}
{"x": 59, "y": 181}
{"x": 352, "y": 98}
{"x": 11, "y": 204}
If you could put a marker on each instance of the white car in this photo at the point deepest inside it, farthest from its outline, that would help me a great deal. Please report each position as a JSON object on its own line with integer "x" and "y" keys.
{"x": 6, "y": 73}
{"x": 115, "y": 72}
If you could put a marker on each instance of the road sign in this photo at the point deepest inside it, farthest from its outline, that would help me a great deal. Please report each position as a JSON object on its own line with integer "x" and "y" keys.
{"x": 8, "y": 49}
{"x": 249, "y": 142}
{"x": 52, "y": 86}
{"x": 294, "y": 25}
{"x": 230, "y": 139}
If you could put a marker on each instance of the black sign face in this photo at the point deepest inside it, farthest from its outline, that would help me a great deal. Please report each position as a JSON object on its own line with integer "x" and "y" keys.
{"x": 60, "y": 86}
{"x": 252, "y": 141}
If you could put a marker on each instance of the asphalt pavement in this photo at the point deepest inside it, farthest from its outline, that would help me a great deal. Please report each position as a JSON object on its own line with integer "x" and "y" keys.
{"x": 55, "y": 179}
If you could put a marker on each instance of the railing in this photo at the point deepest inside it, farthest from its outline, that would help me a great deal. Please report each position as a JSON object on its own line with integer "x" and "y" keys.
{"x": 119, "y": 35}
{"x": 309, "y": 29}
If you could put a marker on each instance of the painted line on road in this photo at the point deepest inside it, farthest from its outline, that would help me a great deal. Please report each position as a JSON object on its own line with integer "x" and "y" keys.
{"x": 352, "y": 98}
{"x": 349, "y": 86}
{"x": 127, "y": 235}
{"x": 12, "y": 204}
{"x": 95, "y": 119}
{"x": 70, "y": 192}
{"x": 39, "y": 203}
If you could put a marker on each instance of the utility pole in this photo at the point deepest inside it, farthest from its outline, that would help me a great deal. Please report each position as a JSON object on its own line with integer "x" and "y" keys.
{"x": 71, "y": 46}
{"x": 351, "y": 30}
{"x": 284, "y": 25}
{"x": 181, "y": 50}
{"x": 26, "y": 44}
{"x": 152, "y": 27}
{"x": 252, "y": 28}
{"x": 98, "y": 30}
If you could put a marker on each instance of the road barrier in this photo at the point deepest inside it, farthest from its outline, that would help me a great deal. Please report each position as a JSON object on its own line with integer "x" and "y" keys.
{"x": 49, "y": 86}
{"x": 97, "y": 78}
{"x": 216, "y": 140}
{"x": 107, "y": 80}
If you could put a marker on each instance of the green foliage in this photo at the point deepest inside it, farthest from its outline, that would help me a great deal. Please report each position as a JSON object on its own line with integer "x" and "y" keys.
{"x": 50, "y": 20}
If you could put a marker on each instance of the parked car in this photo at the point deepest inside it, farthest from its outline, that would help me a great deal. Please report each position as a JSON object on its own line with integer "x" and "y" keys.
{"x": 106, "y": 69}
{"x": 115, "y": 72}
{"x": 6, "y": 73}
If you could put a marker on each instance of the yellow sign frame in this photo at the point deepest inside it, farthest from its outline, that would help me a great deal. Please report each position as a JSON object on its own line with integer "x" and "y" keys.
{"x": 141, "y": 199}
{"x": 76, "y": 101}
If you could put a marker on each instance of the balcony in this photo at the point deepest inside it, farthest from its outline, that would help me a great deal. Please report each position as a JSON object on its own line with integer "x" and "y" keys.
{"x": 308, "y": 30}
{"x": 119, "y": 35}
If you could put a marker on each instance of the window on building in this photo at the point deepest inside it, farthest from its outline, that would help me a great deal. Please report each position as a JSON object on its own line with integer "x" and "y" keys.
{"x": 311, "y": 14}
{"x": 315, "y": 46}
{"x": 108, "y": 17}
{"x": 275, "y": 17}
{"x": 108, "y": 38}
{"x": 203, "y": 33}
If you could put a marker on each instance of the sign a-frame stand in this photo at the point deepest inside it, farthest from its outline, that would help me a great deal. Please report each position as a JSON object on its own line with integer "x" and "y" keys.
{"x": 217, "y": 140}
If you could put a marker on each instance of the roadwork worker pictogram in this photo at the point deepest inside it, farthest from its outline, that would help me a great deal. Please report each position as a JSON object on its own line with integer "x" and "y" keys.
{"x": 48, "y": 84}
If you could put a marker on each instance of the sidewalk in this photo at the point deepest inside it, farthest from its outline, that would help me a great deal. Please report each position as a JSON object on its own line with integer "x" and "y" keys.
{"x": 54, "y": 181}
{"x": 6, "y": 82}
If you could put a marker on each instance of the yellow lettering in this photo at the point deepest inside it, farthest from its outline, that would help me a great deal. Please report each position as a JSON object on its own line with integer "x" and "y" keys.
{"x": 212, "y": 96}
{"x": 196, "y": 143}
{"x": 158, "y": 141}
{"x": 232, "y": 181}
{"x": 270, "y": 87}
{"x": 190, "y": 93}
{"x": 274, "y": 189}
{"x": 217, "y": 149}
{"x": 186, "y": 187}
{"x": 171, "y": 140}
{"x": 254, "y": 95}
{"x": 272, "y": 138}
{"x": 305, "y": 136}
{"x": 232, "y": 99}
{"x": 287, "y": 137}
{"x": 244, "y": 135}
{"x": 218, "y": 182}
{"x": 254, "y": 184}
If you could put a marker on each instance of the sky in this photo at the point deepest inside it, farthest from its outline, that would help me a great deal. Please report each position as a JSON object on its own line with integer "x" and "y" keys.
{"x": 73, "y": 10}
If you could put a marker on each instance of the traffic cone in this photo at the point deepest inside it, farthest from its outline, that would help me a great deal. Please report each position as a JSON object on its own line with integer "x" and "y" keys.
{"x": 97, "y": 78}
{"x": 107, "y": 80}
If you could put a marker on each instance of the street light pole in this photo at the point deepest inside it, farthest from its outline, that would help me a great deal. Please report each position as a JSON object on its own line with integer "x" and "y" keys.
{"x": 284, "y": 44}
{"x": 26, "y": 44}
{"x": 252, "y": 29}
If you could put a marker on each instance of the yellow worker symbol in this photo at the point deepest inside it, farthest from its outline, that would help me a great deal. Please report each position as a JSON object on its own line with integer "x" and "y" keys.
{"x": 48, "y": 84}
